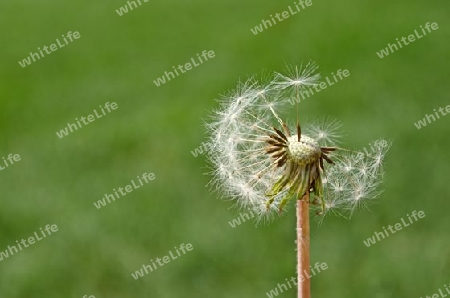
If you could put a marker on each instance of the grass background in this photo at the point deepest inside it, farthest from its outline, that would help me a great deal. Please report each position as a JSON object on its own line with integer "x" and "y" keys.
{"x": 155, "y": 128}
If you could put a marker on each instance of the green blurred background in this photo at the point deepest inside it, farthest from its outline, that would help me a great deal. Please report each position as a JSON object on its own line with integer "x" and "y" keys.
{"x": 155, "y": 128}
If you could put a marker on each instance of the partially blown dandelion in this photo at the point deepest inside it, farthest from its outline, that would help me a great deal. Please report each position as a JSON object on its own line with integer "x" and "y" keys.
{"x": 264, "y": 162}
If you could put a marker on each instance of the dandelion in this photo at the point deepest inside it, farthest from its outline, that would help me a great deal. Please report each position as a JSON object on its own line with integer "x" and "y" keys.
{"x": 263, "y": 163}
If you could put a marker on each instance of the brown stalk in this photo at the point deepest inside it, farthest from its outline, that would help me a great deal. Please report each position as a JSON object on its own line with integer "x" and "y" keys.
{"x": 303, "y": 244}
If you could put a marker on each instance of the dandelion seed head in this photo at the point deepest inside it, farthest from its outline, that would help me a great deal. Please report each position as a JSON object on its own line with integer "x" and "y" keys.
{"x": 263, "y": 164}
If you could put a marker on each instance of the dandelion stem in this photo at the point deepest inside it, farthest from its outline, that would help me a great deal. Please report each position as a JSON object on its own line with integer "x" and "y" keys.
{"x": 303, "y": 243}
